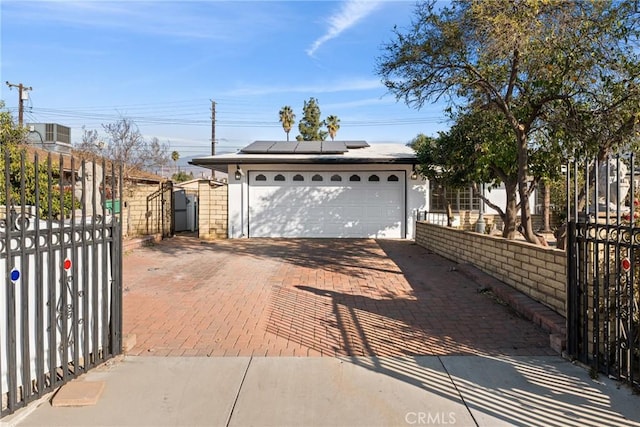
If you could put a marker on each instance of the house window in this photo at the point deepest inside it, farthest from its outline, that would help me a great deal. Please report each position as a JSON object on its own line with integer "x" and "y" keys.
{"x": 354, "y": 178}
{"x": 261, "y": 178}
{"x": 336, "y": 178}
{"x": 393, "y": 178}
{"x": 279, "y": 177}
{"x": 298, "y": 177}
{"x": 374, "y": 178}
{"x": 316, "y": 177}
{"x": 464, "y": 199}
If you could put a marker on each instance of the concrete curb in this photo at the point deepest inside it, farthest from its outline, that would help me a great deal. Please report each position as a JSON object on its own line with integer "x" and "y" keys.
{"x": 541, "y": 315}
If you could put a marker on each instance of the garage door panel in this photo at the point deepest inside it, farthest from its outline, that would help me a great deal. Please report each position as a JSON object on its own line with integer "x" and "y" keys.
{"x": 325, "y": 208}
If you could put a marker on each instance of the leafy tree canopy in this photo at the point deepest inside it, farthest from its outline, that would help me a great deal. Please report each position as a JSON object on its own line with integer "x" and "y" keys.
{"x": 524, "y": 59}
{"x": 182, "y": 176}
{"x": 38, "y": 189}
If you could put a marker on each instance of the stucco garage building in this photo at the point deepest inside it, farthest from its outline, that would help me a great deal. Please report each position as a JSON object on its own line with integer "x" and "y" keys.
{"x": 321, "y": 189}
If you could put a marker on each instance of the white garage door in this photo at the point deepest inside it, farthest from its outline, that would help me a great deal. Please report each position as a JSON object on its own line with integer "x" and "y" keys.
{"x": 327, "y": 204}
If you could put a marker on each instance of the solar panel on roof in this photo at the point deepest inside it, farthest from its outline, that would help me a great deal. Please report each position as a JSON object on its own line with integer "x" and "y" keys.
{"x": 309, "y": 147}
{"x": 356, "y": 144}
{"x": 258, "y": 147}
{"x": 283, "y": 148}
{"x": 333, "y": 147}
{"x": 301, "y": 147}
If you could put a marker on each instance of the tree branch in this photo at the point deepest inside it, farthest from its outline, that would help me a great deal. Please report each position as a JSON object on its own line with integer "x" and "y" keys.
{"x": 512, "y": 77}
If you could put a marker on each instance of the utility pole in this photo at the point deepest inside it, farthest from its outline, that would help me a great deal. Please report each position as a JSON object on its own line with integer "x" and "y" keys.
{"x": 22, "y": 96}
{"x": 213, "y": 127}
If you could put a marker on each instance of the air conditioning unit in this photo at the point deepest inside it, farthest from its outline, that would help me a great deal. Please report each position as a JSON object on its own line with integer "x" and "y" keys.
{"x": 51, "y": 133}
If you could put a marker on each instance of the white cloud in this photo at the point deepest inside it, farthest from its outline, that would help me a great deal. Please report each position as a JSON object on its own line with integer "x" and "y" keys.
{"x": 188, "y": 20}
{"x": 349, "y": 14}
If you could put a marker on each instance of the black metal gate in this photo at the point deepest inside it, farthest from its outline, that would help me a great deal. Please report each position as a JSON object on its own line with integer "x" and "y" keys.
{"x": 61, "y": 258}
{"x": 160, "y": 215}
{"x": 603, "y": 250}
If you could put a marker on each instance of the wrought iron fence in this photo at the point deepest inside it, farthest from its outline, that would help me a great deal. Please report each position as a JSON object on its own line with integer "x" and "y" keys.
{"x": 603, "y": 271}
{"x": 61, "y": 257}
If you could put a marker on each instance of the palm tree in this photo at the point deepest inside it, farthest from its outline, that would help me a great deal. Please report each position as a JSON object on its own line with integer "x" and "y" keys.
{"x": 175, "y": 156}
{"x": 333, "y": 124}
{"x": 287, "y": 118}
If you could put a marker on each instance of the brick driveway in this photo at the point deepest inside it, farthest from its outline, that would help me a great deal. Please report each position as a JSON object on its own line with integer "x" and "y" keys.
{"x": 312, "y": 297}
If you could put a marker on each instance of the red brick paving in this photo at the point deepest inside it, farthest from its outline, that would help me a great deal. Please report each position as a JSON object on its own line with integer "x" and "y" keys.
{"x": 312, "y": 298}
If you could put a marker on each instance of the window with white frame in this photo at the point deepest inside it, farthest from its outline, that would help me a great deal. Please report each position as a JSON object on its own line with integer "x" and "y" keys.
{"x": 464, "y": 199}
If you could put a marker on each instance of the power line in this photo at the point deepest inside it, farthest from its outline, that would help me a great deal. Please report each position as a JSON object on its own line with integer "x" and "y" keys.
{"x": 222, "y": 122}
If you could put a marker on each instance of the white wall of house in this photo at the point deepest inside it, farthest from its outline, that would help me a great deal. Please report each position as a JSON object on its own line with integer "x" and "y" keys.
{"x": 498, "y": 196}
{"x": 415, "y": 198}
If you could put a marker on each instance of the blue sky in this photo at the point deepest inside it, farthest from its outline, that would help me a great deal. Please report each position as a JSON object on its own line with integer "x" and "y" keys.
{"x": 161, "y": 63}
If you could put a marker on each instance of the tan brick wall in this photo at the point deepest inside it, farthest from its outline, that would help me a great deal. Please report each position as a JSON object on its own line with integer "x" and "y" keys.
{"x": 138, "y": 218}
{"x": 468, "y": 220}
{"x": 539, "y": 272}
{"x": 213, "y": 210}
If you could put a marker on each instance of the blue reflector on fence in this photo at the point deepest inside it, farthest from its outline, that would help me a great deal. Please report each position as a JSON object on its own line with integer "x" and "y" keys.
{"x": 15, "y": 275}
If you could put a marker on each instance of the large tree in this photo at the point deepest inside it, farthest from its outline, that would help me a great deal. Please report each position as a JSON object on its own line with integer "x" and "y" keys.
{"x": 477, "y": 149}
{"x": 438, "y": 162}
{"x": 125, "y": 144}
{"x": 287, "y": 118}
{"x": 310, "y": 125}
{"x": 521, "y": 58}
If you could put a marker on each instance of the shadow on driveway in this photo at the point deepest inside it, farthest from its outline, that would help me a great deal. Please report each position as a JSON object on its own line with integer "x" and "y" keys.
{"x": 311, "y": 297}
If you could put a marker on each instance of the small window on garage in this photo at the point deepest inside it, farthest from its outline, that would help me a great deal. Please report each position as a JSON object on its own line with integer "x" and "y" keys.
{"x": 261, "y": 178}
{"x": 354, "y": 178}
{"x": 336, "y": 178}
{"x": 298, "y": 177}
{"x": 374, "y": 178}
{"x": 392, "y": 178}
{"x": 279, "y": 177}
{"x": 316, "y": 177}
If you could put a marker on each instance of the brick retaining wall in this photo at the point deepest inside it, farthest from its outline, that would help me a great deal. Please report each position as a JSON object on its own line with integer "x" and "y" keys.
{"x": 539, "y": 272}
{"x": 213, "y": 210}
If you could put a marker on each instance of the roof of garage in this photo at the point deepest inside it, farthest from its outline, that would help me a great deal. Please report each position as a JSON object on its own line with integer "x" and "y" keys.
{"x": 317, "y": 152}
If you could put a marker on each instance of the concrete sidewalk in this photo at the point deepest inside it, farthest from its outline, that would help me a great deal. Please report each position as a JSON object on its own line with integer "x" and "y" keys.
{"x": 361, "y": 391}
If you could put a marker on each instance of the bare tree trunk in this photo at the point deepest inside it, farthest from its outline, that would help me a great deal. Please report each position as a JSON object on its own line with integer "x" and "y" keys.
{"x": 525, "y": 212}
{"x": 446, "y": 204}
{"x": 511, "y": 211}
{"x": 449, "y": 215}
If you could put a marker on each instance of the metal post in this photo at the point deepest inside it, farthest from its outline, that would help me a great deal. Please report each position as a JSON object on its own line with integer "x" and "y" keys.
{"x": 480, "y": 224}
{"x": 572, "y": 291}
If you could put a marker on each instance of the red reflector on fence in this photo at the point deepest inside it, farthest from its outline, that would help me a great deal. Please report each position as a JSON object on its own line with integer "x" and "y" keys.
{"x": 67, "y": 264}
{"x": 626, "y": 264}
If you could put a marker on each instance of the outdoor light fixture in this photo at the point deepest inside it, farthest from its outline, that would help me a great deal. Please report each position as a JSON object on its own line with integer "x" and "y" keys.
{"x": 414, "y": 173}
{"x": 238, "y": 173}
